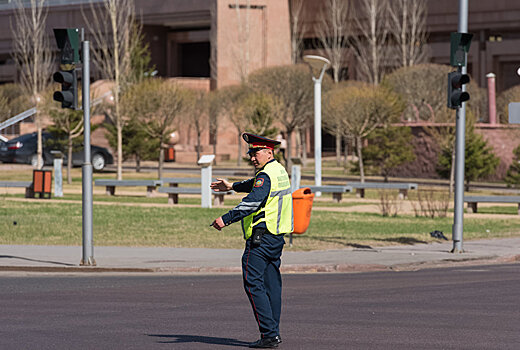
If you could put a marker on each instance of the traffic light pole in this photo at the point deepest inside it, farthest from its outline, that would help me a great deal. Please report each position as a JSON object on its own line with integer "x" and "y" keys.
{"x": 458, "y": 218}
{"x": 88, "y": 251}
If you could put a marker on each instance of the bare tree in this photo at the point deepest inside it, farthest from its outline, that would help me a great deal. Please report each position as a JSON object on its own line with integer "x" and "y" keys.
{"x": 297, "y": 29}
{"x": 334, "y": 32}
{"x": 113, "y": 30}
{"x": 241, "y": 49}
{"x": 371, "y": 39}
{"x": 408, "y": 29}
{"x": 197, "y": 114}
{"x": 232, "y": 98}
{"x": 32, "y": 54}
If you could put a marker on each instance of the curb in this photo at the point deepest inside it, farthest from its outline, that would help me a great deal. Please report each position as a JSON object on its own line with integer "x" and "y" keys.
{"x": 293, "y": 268}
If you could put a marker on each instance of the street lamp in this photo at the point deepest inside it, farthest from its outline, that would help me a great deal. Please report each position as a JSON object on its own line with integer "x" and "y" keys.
{"x": 318, "y": 66}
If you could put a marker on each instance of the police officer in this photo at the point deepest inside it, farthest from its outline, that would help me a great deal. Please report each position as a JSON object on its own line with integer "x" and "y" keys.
{"x": 266, "y": 215}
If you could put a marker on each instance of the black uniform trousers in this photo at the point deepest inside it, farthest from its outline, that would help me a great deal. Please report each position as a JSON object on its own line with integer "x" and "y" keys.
{"x": 263, "y": 282}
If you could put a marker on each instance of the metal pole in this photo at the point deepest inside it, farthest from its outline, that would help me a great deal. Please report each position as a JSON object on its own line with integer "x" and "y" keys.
{"x": 88, "y": 251}
{"x": 317, "y": 131}
{"x": 458, "y": 218}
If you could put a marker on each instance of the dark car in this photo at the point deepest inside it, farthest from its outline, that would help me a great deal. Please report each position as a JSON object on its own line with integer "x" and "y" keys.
{"x": 22, "y": 149}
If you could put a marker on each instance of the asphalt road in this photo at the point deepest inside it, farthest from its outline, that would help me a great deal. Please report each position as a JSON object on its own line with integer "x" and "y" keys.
{"x": 451, "y": 308}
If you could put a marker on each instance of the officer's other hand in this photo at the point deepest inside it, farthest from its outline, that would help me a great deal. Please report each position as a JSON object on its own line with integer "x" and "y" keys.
{"x": 218, "y": 223}
{"x": 221, "y": 185}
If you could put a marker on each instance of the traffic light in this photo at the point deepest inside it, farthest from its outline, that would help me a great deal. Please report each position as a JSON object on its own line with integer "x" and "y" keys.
{"x": 68, "y": 96}
{"x": 68, "y": 43}
{"x": 455, "y": 94}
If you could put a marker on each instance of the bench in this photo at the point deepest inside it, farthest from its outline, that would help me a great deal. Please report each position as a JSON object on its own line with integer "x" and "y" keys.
{"x": 173, "y": 194}
{"x": 336, "y": 190}
{"x": 474, "y": 200}
{"x": 402, "y": 187}
{"x": 111, "y": 185}
{"x": 28, "y": 185}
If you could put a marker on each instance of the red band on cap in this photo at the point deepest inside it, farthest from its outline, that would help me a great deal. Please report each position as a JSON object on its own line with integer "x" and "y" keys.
{"x": 261, "y": 145}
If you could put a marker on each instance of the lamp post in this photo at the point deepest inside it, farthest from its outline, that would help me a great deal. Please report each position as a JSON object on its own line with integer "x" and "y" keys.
{"x": 318, "y": 66}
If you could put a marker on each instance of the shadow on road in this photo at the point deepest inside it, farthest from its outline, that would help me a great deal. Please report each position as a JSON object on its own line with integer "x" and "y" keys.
{"x": 185, "y": 338}
{"x": 35, "y": 260}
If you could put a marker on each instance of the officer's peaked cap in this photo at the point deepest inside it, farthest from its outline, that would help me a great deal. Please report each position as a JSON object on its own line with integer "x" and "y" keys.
{"x": 259, "y": 142}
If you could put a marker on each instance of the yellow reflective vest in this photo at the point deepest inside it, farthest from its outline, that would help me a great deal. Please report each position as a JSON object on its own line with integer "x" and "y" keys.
{"x": 277, "y": 212}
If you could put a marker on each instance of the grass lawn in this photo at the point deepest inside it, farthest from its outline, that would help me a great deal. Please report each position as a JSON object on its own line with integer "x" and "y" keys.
{"x": 54, "y": 223}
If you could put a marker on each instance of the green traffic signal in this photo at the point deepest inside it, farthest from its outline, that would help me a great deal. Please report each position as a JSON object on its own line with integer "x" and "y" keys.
{"x": 455, "y": 94}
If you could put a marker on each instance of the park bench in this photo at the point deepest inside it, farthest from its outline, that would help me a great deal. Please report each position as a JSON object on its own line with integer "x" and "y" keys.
{"x": 28, "y": 185}
{"x": 176, "y": 181}
{"x": 402, "y": 187}
{"x": 336, "y": 190}
{"x": 474, "y": 200}
{"x": 111, "y": 185}
{"x": 173, "y": 194}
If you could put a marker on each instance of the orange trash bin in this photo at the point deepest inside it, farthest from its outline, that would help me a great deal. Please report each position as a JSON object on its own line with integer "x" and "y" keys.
{"x": 302, "y": 207}
{"x": 169, "y": 155}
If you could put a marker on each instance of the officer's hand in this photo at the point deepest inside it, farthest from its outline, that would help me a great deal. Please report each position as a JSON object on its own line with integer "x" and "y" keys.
{"x": 218, "y": 223}
{"x": 221, "y": 185}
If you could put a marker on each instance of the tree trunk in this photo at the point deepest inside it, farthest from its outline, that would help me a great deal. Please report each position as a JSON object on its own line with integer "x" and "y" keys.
{"x": 303, "y": 133}
{"x": 161, "y": 160}
{"x": 198, "y": 145}
{"x": 345, "y": 159}
{"x": 239, "y": 155}
{"x": 359, "y": 145}
{"x": 338, "y": 148}
{"x": 39, "y": 151}
{"x": 137, "y": 163}
{"x": 289, "y": 149}
{"x": 69, "y": 160}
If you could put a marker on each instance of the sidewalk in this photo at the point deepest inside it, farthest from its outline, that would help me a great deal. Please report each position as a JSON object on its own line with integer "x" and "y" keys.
{"x": 198, "y": 260}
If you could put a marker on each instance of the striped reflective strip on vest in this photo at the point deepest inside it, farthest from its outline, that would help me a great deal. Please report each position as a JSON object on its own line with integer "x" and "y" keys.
{"x": 280, "y": 195}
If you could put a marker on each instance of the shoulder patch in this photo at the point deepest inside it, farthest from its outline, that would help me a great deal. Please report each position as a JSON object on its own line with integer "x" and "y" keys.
{"x": 259, "y": 182}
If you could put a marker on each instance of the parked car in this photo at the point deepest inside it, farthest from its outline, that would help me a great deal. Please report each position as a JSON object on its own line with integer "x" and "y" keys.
{"x": 22, "y": 149}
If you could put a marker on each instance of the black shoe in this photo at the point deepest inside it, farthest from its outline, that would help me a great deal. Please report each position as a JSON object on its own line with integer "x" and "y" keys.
{"x": 266, "y": 343}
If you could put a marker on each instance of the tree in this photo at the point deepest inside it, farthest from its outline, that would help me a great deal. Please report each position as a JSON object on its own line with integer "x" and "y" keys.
{"x": 136, "y": 142}
{"x": 259, "y": 111}
{"x": 231, "y": 99}
{"x": 13, "y": 100}
{"x": 291, "y": 89}
{"x": 370, "y": 40}
{"x": 358, "y": 110}
{"x": 155, "y": 104}
{"x": 114, "y": 35}
{"x": 241, "y": 48}
{"x": 388, "y": 148}
{"x": 334, "y": 33}
{"x": 32, "y": 55}
{"x": 408, "y": 29}
{"x": 513, "y": 173}
{"x": 198, "y": 113}
{"x": 480, "y": 161}
{"x": 68, "y": 124}
{"x": 297, "y": 29}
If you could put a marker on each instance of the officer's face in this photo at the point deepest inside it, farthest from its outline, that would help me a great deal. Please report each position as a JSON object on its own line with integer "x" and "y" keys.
{"x": 260, "y": 157}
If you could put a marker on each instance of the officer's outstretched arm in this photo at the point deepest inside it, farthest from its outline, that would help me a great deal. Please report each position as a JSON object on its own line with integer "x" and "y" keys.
{"x": 221, "y": 185}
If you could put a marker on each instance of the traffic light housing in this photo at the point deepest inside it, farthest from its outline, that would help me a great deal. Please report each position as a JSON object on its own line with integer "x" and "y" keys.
{"x": 68, "y": 96}
{"x": 455, "y": 94}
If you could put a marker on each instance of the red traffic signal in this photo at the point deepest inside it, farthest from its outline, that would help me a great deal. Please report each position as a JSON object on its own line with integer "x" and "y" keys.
{"x": 455, "y": 94}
